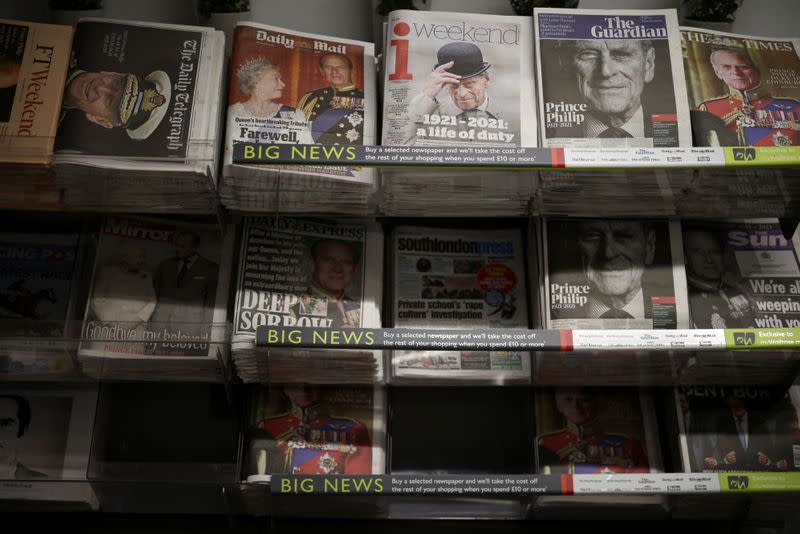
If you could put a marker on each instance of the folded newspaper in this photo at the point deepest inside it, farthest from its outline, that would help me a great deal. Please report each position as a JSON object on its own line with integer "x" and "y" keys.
{"x": 741, "y": 274}
{"x": 609, "y": 79}
{"x": 613, "y": 273}
{"x": 604, "y": 430}
{"x": 158, "y": 299}
{"x": 46, "y": 442}
{"x": 140, "y": 125}
{"x": 449, "y": 278}
{"x": 288, "y": 87}
{"x": 315, "y": 430}
{"x": 457, "y": 79}
{"x": 743, "y": 90}
{"x": 33, "y": 68}
{"x": 313, "y": 273}
{"x": 738, "y": 428}
{"x": 39, "y": 285}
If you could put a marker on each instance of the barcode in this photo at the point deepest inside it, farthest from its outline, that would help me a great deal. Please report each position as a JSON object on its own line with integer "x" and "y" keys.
{"x": 796, "y": 455}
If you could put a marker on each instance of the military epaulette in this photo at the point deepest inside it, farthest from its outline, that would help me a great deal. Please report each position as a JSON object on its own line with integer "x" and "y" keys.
{"x": 306, "y": 104}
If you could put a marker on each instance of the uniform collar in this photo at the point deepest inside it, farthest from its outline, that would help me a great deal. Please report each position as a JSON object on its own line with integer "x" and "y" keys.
{"x": 348, "y": 88}
{"x": 580, "y": 430}
{"x": 755, "y": 93}
{"x": 307, "y": 414}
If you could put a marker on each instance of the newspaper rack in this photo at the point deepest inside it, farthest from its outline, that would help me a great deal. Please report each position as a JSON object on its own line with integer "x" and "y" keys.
{"x": 95, "y": 353}
{"x": 624, "y": 182}
{"x": 91, "y": 183}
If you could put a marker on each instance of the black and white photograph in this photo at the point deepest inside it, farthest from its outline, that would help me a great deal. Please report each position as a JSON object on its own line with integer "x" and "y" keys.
{"x": 617, "y": 270}
{"x": 45, "y": 433}
{"x": 611, "y": 79}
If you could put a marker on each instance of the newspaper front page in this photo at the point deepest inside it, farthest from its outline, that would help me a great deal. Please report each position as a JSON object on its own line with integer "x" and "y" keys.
{"x": 610, "y": 79}
{"x": 614, "y": 273}
{"x": 741, "y": 274}
{"x": 315, "y": 430}
{"x": 738, "y": 428}
{"x": 596, "y": 430}
{"x": 460, "y": 279}
{"x": 33, "y": 67}
{"x": 159, "y": 286}
{"x": 458, "y": 79}
{"x": 743, "y": 90}
{"x": 289, "y": 87}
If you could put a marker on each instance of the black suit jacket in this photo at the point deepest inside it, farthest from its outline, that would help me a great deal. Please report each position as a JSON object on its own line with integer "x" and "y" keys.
{"x": 191, "y": 300}
{"x": 759, "y": 440}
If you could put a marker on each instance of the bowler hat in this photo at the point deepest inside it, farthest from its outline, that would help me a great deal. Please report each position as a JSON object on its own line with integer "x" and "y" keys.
{"x": 466, "y": 57}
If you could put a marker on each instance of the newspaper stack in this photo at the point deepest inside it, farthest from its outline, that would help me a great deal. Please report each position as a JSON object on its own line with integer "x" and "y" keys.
{"x": 612, "y": 274}
{"x": 608, "y": 430}
{"x": 140, "y": 127}
{"x": 47, "y": 436}
{"x": 342, "y": 429}
{"x": 288, "y": 87}
{"x": 310, "y": 273}
{"x": 738, "y": 193}
{"x": 39, "y": 282}
{"x": 445, "y": 278}
{"x": 158, "y": 300}
{"x": 454, "y": 193}
{"x": 742, "y": 90}
{"x": 443, "y": 89}
{"x": 616, "y": 193}
{"x": 741, "y": 274}
{"x": 738, "y": 428}
{"x": 33, "y": 63}
{"x": 610, "y": 79}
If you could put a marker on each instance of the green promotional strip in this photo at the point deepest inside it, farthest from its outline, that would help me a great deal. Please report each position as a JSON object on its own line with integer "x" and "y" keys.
{"x": 761, "y": 156}
{"x": 758, "y": 482}
{"x": 397, "y": 156}
{"x": 501, "y": 339}
{"x": 421, "y": 484}
{"x": 762, "y": 338}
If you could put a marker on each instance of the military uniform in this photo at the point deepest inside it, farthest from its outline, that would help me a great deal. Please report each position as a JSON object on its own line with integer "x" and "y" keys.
{"x": 343, "y": 312}
{"x": 579, "y": 450}
{"x": 313, "y": 443}
{"x": 722, "y": 306}
{"x": 336, "y": 115}
{"x": 757, "y": 119}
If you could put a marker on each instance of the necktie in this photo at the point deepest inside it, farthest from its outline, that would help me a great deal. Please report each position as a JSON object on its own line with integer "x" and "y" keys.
{"x": 614, "y": 132}
{"x": 182, "y": 272}
{"x": 740, "y": 431}
{"x": 614, "y": 313}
